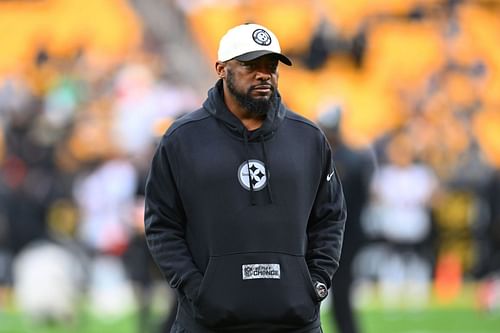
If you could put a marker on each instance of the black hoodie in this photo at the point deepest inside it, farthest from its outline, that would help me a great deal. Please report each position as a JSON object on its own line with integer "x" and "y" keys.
{"x": 241, "y": 248}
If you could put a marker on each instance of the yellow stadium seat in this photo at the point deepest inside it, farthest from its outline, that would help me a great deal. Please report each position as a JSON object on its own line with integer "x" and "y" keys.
{"x": 61, "y": 27}
{"x": 486, "y": 127}
{"x": 459, "y": 90}
{"x": 294, "y": 22}
{"x": 479, "y": 31}
{"x": 348, "y": 16}
{"x": 209, "y": 23}
{"x": 404, "y": 53}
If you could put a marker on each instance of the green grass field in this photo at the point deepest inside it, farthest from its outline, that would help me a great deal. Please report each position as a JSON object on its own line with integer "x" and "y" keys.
{"x": 371, "y": 321}
{"x": 459, "y": 316}
{"x": 428, "y": 321}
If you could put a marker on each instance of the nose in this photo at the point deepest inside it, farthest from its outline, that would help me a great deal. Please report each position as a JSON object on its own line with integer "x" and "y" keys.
{"x": 263, "y": 74}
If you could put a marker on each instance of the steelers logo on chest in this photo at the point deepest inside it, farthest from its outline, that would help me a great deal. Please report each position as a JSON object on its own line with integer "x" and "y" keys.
{"x": 252, "y": 174}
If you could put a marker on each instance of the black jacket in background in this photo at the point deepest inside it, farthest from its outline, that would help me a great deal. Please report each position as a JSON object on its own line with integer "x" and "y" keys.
{"x": 244, "y": 259}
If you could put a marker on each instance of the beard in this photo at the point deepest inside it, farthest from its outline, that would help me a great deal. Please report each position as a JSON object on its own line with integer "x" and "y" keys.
{"x": 257, "y": 107}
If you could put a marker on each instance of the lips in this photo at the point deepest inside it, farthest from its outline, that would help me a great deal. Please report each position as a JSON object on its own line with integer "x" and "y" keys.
{"x": 263, "y": 88}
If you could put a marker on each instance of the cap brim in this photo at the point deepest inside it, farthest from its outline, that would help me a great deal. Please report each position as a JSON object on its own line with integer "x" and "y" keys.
{"x": 256, "y": 54}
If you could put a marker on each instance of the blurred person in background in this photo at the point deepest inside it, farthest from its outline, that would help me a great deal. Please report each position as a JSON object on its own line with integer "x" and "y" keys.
{"x": 355, "y": 170}
{"x": 105, "y": 197}
{"x": 139, "y": 266}
{"x": 47, "y": 283}
{"x": 5, "y": 252}
{"x": 400, "y": 217}
{"x": 494, "y": 226}
{"x": 44, "y": 265}
{"x": 28, "y": 176}
{"x": 244, "y": 209}
{"x": 489, "y": 287}
{"x": 31, "y": 181}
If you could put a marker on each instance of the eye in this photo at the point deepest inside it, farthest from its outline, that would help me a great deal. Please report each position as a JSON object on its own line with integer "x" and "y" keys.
{"x": 248, "y": 65}
{"x": 273, "y": 67}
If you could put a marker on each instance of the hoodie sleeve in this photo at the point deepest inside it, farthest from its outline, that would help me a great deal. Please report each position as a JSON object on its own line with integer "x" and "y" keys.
{"x": 326, "y": 223}
{"x": 165, "y": 224}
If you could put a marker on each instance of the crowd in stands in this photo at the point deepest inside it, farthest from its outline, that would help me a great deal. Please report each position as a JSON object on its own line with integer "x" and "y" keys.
{"x": 84, "y": 101}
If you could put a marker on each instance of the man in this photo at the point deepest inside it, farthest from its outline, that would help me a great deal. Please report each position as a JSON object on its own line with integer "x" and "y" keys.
{"x": 244, "y": 210}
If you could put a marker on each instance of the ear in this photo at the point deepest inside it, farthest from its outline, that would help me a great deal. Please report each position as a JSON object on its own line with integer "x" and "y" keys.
{"x": 220, "y": 69}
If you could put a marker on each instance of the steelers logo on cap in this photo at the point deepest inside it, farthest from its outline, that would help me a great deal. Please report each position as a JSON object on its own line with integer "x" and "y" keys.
{"x": 261, "y": 37}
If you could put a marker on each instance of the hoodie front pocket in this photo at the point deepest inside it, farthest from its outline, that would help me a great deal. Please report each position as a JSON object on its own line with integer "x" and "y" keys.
{"x": 256, "y": 287}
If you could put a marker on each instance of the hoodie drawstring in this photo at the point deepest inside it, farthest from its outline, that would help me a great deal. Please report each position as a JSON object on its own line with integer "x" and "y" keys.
{"x": 250, "y": 183}
{"x": 268, "y": 167}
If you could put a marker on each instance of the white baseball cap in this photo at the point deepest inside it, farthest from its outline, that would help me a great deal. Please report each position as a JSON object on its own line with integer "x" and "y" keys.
{"x": 249, "y": 41}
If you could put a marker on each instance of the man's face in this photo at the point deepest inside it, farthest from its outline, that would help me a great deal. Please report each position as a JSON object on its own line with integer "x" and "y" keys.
{"x": 254, "y": 83}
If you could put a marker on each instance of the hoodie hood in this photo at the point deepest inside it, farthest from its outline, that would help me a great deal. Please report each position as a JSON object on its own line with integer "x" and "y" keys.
{"x": 216, "y": 107}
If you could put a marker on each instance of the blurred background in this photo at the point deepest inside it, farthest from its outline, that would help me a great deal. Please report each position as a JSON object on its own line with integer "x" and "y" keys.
{"x": 407, "y": 91}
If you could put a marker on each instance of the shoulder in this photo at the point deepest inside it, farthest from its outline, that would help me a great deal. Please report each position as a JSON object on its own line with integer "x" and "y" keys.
{"x": 182, "y": 128}
{"x": 300, "y": 120}
{"x": 186, "y": 121}
{"x": 303, "y": 124}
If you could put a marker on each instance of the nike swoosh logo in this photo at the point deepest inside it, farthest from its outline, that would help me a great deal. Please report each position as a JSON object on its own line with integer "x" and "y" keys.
{"x": 328, "y": 177}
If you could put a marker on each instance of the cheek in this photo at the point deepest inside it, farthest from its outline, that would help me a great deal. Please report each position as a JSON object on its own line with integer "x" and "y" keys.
{"x": 274, "y": 79}
{"x": 238, "y": 77}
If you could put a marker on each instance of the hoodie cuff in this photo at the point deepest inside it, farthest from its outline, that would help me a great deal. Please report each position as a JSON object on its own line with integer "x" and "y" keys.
{"x": 317, "y": 278}
{"x": 191, "y": 286}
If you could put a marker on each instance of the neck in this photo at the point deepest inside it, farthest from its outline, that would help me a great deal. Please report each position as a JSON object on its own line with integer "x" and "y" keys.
{"x": 252, "y": 124}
